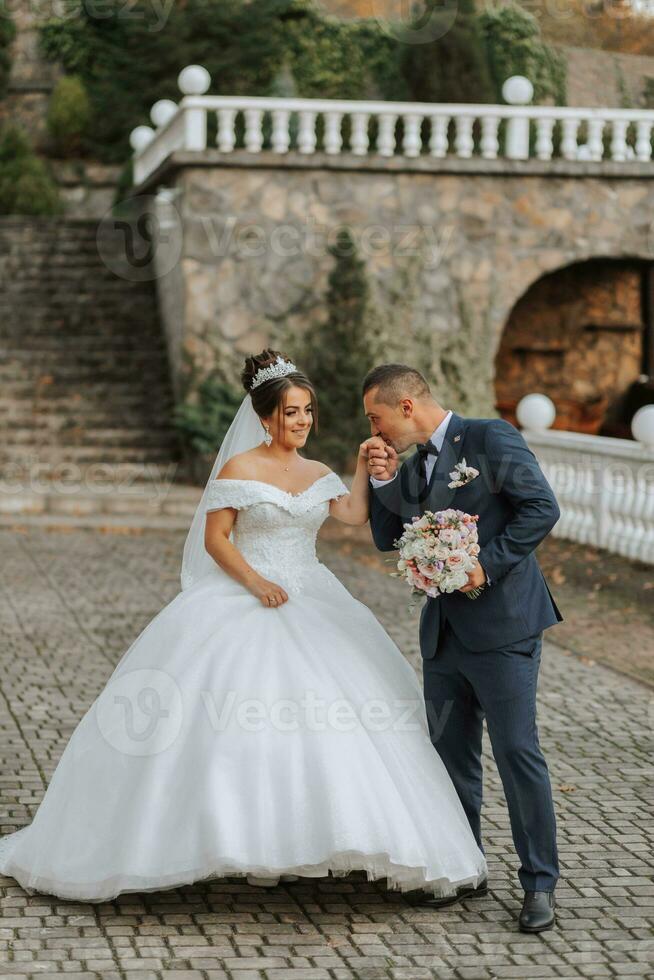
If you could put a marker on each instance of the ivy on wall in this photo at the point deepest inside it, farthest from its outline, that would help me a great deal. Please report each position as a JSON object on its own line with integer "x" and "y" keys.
{"x": 514, "y": 46}
{"x": 244, "y": 44}
{"x": 7, "y": 35}
{"x": 248, "y": 46}
{"x": 452, "y": 67}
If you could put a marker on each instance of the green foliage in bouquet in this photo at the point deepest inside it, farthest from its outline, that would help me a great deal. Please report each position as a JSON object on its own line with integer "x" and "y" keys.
{"x": 204, "y": 423}
{"x": 337, "y": 353}
{"x": 26, "y": 185}
{"x": 68, "y": 116}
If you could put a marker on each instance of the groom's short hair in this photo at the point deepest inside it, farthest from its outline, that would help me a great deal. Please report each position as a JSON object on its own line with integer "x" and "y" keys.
{"x": 396, "y": 381}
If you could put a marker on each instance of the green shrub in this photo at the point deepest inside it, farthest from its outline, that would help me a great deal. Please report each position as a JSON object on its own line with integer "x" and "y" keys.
{"x": 514, "y": 46}
{"x": 453, "y": 67}
{"x": 7, "y": 35}
{"x": 69, "y": 113}
{"x": 26, "y": 186}
{"x": 337, "y": 353}
{"x": 204, "y": 423}
{"x": 262, "y": 47}
{"x": 126, "y": 66}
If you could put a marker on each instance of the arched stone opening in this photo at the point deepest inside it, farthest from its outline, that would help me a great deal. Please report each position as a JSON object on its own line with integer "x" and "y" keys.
{"x": 584, "y": 335}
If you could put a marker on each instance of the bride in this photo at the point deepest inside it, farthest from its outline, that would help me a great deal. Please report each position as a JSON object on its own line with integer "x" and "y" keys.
{"x": 263, "y": 723}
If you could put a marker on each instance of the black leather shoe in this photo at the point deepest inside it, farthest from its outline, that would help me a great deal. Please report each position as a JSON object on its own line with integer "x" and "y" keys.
{"x": 537, "y": 912}
{"x": 425, "y": 898}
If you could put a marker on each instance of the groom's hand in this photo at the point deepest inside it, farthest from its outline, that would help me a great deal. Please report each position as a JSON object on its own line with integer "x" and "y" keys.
{"x": 476, "y": 578}
{"x": 382, "y": 459}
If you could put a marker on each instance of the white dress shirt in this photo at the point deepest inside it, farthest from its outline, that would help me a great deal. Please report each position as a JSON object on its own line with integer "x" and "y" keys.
{"x": 437, "y": 438}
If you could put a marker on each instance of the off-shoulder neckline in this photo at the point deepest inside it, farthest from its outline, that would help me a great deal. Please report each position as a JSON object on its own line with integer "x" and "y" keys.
{"x": 273, "y": 486}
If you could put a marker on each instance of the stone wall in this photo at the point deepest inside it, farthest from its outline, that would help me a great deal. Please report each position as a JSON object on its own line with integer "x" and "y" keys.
{"x": 450, "y": 248}
{"x": 605, "y": 78}
{"x": 87, "y": 188}
{"x": 32, "y": 78}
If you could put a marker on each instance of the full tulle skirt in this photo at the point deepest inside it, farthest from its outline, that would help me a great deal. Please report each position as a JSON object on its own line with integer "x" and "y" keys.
{"x": 234, "y": 739}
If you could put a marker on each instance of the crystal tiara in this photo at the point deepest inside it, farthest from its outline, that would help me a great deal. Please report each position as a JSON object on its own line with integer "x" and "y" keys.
{"x": 277, "y": 370}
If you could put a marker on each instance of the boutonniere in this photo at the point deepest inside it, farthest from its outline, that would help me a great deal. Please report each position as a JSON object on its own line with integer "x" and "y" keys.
{"x": 462, "y": 474}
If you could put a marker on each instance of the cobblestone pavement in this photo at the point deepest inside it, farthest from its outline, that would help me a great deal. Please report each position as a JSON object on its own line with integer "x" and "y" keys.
{"x": 71, "y": 603}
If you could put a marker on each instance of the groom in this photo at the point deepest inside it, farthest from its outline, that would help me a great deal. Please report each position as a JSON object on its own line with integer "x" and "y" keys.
{"x": 480, "y": 655}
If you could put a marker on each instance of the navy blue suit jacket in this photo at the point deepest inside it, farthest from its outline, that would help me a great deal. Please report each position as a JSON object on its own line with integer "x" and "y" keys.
{"x": 517, "y": 509}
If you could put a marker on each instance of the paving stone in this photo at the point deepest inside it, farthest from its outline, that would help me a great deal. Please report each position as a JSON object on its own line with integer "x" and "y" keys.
{"x": 70, "y": 604}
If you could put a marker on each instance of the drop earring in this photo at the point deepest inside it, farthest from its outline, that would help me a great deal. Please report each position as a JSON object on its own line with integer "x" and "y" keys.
{"x": 267, "y": 438}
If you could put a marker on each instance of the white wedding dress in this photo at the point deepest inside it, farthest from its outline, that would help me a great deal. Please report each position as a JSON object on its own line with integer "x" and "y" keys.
{"x": 232, "y": 738}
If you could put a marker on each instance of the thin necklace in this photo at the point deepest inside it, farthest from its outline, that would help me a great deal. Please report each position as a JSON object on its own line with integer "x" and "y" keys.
{"x": 286, "y": 468}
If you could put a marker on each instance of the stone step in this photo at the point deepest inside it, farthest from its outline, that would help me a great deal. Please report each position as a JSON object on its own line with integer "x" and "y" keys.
{"x": 49, "y": 261}
{"x": 38, "y": 411}
{"x": 84, "y": 375}
{"x": 60, "y": 312}
{"x": 65, "y": 345}
{"x": 80, "y": 322}
{"x": 72, "y": 291}
{"x": 148, "y": 504}
{"x": 44, "y": 425}
{"x": 141, "y": 375}
{"x": 85, "y": 435}
{"x": 49, "y": 456}
{"x": 140, "y": 307}
{"x": 71, "y": 265}
{"x": 35, "y": 412}
{"x": 72, "y": 339}
{"x": 14, "y": 246}
{"x": 31, "y": 472}
{"x": 139, "y": 370}
{"x": 52, "y": 391}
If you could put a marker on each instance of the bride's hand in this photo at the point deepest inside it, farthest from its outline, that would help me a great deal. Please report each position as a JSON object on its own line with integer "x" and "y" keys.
{"x": 381, "y": 459}
{"x": 269, "y": 594}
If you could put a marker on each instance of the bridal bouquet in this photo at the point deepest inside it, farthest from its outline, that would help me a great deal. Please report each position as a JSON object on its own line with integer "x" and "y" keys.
{"x": 437, "y": 551}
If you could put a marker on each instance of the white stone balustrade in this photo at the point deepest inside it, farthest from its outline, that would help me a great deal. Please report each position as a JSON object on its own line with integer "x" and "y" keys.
{"x": 604, "y": 486}
{"x": 430, "y": 129}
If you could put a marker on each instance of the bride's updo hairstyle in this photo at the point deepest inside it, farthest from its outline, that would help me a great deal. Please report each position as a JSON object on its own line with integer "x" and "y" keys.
{"x": 270, "y": 396}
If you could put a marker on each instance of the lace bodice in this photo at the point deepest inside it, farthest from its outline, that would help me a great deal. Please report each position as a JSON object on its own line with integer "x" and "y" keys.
{"x": 276, "y": 531}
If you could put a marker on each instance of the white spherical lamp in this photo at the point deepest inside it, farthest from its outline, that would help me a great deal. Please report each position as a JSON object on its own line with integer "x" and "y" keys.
{"x": 162, "y": 111}
{"x": 642, "y": 426}
{"x": 140, "y": 137}
{"x": 517, "y": 90}
{"x": 536, "y": 412}
{"x": 194, "y": 80}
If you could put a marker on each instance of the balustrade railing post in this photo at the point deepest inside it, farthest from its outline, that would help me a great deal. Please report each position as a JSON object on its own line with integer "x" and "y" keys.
{"x": 604, "y": 477}
{"x": 184, "y": 126}
{"x": 195, "y": 127}
{"x": 518, "y": 90}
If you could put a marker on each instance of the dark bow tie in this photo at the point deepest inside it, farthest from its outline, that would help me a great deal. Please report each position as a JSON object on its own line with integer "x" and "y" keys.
{"x": 426, "y": 448}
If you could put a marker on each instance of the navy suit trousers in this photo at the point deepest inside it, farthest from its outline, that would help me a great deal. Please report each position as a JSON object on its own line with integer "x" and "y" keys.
{"x": 462, "y": 687}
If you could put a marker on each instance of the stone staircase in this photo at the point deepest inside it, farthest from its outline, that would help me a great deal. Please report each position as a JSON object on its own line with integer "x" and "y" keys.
{"x": 85, "y": 396}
